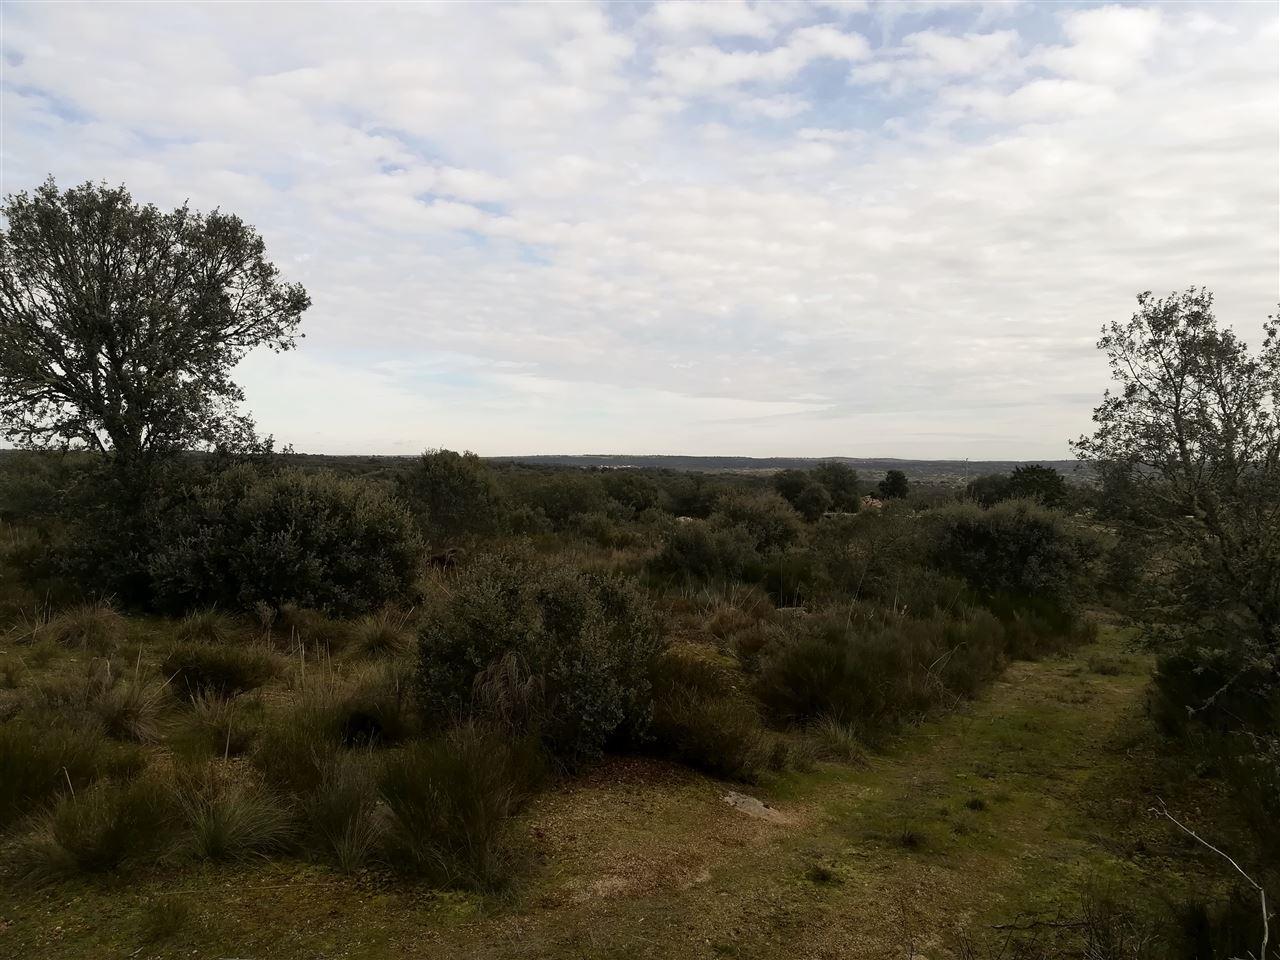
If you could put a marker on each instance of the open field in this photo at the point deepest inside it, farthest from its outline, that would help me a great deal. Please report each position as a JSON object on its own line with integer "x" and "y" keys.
{"x": 1010, "y": 810}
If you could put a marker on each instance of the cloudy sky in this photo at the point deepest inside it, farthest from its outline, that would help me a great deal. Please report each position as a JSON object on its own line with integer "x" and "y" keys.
{"x": 729, "y": 228}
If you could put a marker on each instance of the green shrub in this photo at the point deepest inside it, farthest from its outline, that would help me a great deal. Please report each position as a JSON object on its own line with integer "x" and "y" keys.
{"x": 1016, "y": 548}
{"x": 589, "y": 639}
{"x": 315, "y": 540}
{"x": 769, "y": 521}
{"x": 450, "y": 801}
{"x": 867, "y": 674}
{"x": 702, "y": 550}
{"x": 453, "y": 494}
{"x": 197, "y": 669}
{"x": 97, "y": 830}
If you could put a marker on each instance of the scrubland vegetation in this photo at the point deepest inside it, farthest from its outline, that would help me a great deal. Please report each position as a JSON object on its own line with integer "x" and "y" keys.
{"x": 222, "y": 656}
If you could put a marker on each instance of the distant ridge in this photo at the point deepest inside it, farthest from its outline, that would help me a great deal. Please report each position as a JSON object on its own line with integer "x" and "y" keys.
{"x": 937, "y": 470}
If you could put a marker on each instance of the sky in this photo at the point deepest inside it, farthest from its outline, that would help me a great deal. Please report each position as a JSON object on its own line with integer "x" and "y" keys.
{"x": 775, "y": 229}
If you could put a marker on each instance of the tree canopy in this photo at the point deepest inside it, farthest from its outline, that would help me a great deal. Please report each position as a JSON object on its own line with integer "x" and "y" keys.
{"x": 121, "y": 324}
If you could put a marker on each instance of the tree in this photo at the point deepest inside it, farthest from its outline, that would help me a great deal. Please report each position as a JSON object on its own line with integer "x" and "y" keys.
{"x": 1036, "y": 482}
{"x": 841, "y": 482}
{"x": 988, "y": 489}
{"x": 791, "y": 483}
{"x": 813, "y": 502}
{"x": 120, "y": 325}
{"x": 894, "y": 486}
{"x": 453, "y": 493}
{"x": 1192, "y": 433}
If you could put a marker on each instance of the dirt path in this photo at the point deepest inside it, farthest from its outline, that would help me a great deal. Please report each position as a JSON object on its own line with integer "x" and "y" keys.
{"x": 973, "y": 817}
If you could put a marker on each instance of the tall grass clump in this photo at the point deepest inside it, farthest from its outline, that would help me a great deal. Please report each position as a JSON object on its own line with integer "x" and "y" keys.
{"x": 198, "y": 669}
{"x": 90, "y": 626}
{"x": 39, "y": 763}
{"x": 703, "y": 718}
{"x": 207, "y": 626}
{"x": 449, "y": 803}
{"x": 232, "y": 820}
{"x": 588, "y": 639}
{"x": 101, "y": 829}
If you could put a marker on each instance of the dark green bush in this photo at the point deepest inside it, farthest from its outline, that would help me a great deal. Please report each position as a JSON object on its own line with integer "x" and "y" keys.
{"x": 1017, "y": 548}
{"x": 769, "y": 521}
{"x": 589, "y": 639}
{"x": 705, "y": 550}
{"x": 453, "y": 494}
{"x": 315, "y": 540}
{"x": 450, "y": 801}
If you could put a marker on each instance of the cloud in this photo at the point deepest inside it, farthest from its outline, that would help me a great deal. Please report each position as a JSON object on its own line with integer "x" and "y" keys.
{"x": 579, "y": 227}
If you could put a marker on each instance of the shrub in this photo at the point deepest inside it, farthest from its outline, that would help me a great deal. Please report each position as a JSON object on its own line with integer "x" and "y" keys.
{"x": 702, "y": 550}
{"x": 197, "y": 669}
{"x": 91, "y": 626}
{"x": 894, "y": 486}
{"x": 453, "y": 494}
{"x": 841, "y": 482}
{"x": 449, "y": 802}
{"x": 589, "y": 639}
{"x": 315, "y": 540}
{"x": 1017, "y": 548}
{"x": 868, "y": 675}
{"x": 100, "y": 829}
{"x": 769, "y": 521}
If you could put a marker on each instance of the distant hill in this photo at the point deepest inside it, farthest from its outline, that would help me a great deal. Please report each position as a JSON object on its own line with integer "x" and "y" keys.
{"x": 932, "y": 470}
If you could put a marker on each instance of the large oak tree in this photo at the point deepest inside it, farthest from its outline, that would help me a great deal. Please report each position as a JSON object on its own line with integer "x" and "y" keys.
{"x": 120, "y": 324}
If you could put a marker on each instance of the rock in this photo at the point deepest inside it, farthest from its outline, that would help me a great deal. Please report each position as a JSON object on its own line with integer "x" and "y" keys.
{"x": 754, "y": 808}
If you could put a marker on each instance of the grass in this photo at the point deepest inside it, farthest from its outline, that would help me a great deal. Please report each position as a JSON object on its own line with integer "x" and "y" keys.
{"x": 229, "y": 820}
{"x": 450, "y": 802}
{"x": 644, "y": 859}
{"x": 198, "y": 669}
{"x": 91, "y": 626}
{"x": 104, "y": 828}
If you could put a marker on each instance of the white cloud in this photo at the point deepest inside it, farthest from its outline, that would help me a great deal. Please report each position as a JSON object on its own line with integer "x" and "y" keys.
{"x": 568, "y": 227}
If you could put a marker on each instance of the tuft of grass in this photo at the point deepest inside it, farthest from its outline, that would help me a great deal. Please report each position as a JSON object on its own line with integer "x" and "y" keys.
{"x": 449, "y": 803}
{"x": 90, "y": 626}
{"x": 220, "y": 727}
{"x": 341, "y": 813}
{"x": 838, "y": 741}
{"x": 975, "y": 804}
{"x": 132, "y": 710}
{"x": 911, "y": 838}
{"x": 206, "y": 626}
{"x": 39, "y": 763}
{"x": 197, "y": 669}
{"x": 383, "y": 634}
{"x": 311, "y": 630}
{"x": 232, "y": 821}
{"x": 823, "y": 875}
{"x": 102, "y": 829}
{"x": 164, "y": 918}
